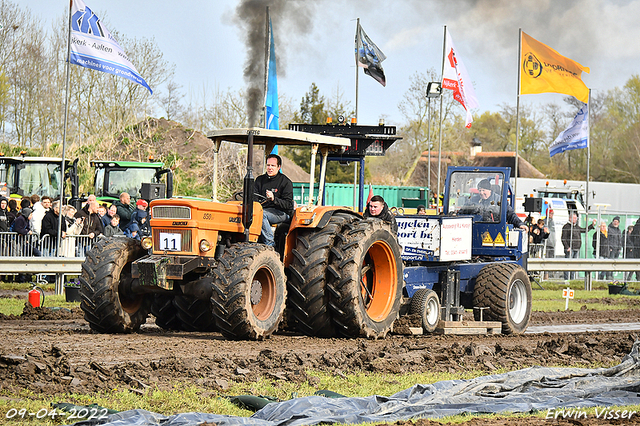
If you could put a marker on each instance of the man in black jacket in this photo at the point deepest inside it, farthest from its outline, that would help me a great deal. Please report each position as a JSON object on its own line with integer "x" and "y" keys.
{"x": 278, "y": 191}
{"x": 92, "y": 222}
{"x": 4, "y": 219}
{"x": 614, "y": 236}
{"x": 489, "y": 203}
{"x": 378, "y": 208}
{"x": 50, "y": 228}
{"x": 572, "y": 239}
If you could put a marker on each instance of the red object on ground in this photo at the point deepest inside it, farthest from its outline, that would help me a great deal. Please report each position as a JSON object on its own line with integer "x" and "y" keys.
{"x": 34, "y": 298}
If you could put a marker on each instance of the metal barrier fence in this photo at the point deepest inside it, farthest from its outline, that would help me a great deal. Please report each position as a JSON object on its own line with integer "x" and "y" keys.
{"x": 13, "y": 244}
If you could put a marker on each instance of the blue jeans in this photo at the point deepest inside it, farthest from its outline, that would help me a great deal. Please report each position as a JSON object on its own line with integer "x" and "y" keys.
{"x": 271, "y": 216}
{"x": 567, "y": 254}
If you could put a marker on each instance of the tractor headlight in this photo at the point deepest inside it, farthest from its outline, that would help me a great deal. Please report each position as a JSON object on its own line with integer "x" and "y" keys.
{"x": 146, "y": 243}
{"x": 205, "y": 245}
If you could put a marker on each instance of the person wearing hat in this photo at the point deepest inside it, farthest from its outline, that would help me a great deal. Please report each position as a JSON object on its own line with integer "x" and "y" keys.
{"x": 615, "y": 242}
{"x": 21, "y": 224}
{"x": 140, "y": 218}
{"x": 489, "y": 202}
{"x": 141, "y": 204}
{"x": 4, "y": 219}
{"x": 24, "y": 245}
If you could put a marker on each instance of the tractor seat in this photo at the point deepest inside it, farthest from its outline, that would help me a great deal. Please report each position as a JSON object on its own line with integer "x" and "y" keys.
{"x": 280, "y": 235}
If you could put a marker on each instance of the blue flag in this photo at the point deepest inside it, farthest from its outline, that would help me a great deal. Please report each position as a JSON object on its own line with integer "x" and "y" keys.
{"x": 272, "y": 87}
{"x": 576, "y": 136}
{"x": 93, "y": 46}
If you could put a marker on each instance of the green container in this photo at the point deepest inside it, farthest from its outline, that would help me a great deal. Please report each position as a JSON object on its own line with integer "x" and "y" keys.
{"x": 413, "y": 203}
{"x": 341, "y": 194}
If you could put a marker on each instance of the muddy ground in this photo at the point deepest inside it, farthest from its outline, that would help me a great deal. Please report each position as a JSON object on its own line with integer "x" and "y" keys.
{"x": 50, "y": 352}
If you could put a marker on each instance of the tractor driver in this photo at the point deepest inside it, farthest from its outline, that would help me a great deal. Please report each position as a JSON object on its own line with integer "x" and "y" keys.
{"x": 487, "y": 199}
{"x": 278, "y": 191}
{"x": 378, "y": 208}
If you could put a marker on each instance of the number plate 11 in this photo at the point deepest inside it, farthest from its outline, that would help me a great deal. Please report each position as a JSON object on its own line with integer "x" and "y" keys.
{"x": 170, "y": 242}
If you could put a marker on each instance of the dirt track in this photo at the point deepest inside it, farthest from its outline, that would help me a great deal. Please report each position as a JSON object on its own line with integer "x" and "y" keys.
{"x": 50, "y": 352}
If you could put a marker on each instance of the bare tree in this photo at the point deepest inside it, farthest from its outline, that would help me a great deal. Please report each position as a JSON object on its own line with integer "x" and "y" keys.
{"x": 170, "y": 102}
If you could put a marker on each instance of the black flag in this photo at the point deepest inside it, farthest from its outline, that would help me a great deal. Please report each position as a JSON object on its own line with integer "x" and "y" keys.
{"x": 369, "y": 56}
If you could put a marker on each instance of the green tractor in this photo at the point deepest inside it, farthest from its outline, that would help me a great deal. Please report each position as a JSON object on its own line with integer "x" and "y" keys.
{"x": 140, "y": 180}
{"x": 24, "y": 176}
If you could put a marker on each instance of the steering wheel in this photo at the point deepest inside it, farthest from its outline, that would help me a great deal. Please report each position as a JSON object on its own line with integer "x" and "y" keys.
{"x": 469, "y": 210}
{"x": 238, "y": 195}
{"x": 259, "y": 198}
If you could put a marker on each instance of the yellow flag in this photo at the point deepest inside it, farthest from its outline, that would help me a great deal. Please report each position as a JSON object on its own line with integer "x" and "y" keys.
{"x": 545, "y": 70}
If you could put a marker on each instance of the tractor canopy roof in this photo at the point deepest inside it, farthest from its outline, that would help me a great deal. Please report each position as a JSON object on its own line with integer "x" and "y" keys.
{"x": 126, "y": 164}
{"x": 38, "y": 160}
{"x": 276, "y": 137}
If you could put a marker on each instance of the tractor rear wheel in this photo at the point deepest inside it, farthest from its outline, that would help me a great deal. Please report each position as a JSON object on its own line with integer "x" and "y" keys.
{"x": 194, "y": 314}
{"x": 308, "y": 299}
{"x": 506, "y": 290}
{"x": 365, "y": 280}
{"x": 107, "y": 301}
{"x": 182, "y": 313}
{"x": 165, "y": 312}
{"x": 426, "y": 303}
{"x": 249, "y": 292}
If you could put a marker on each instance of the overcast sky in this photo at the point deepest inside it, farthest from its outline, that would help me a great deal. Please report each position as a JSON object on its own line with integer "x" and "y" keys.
{"x": 315, "y": 42}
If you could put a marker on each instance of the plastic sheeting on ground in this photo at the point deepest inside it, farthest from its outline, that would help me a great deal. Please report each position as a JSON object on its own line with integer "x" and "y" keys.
{"x": 528, "y": 390}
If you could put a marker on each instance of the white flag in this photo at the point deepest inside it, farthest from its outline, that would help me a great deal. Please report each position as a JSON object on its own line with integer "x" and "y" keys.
{"x": 93, "y": 46}
{"x": 455, "y": 78}
{"x": 576, "y": 136}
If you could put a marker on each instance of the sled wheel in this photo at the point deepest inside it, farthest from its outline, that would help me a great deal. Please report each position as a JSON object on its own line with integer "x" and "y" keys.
{"x": 249, "y": 292}
{"x": 505, "y": 289}
{"x": 426, "y": 303}
{"x": 365, "y": 280}
{"x": 107, "y": 302}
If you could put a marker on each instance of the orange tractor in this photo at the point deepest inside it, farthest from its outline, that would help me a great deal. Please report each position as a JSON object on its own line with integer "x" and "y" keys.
{"x": 336, "y": 273}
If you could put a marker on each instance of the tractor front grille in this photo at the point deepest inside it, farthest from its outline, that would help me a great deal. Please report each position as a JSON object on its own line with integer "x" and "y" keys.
{"x": 171, "y": 212}
{"x": 185, "y": 239}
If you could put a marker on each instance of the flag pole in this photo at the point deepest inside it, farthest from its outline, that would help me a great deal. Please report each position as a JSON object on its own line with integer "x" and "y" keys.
{"x": 444, "y": 46}
{"x": 355, "y": 163}
{"x": 515, "y": 179}
{"x": 64, "y": 141}
{"x": 267, "y": 53}
{"x": 356, "y": 55}
{"x": 586, "y": 199}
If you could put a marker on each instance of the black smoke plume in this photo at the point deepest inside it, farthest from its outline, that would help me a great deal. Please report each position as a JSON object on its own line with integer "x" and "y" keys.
{"x": 288, "y": 17}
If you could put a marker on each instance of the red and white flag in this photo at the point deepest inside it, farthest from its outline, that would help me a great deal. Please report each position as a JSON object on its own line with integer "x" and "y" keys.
{"x": 455, "y": 78}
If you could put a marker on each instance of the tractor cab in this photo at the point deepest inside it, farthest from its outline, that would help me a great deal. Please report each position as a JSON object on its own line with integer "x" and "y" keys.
{"x": 486, "y": 195}
{"x": 138, "y": 179}
{"x": 24, "y": 176}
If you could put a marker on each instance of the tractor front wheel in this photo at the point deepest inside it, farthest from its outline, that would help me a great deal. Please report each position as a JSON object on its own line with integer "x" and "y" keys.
{"x": 249, "y": 292}
{"x": 109, "y": 305}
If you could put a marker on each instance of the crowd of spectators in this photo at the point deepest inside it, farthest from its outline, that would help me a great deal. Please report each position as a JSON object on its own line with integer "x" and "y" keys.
{"x": 31, "y": 224}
